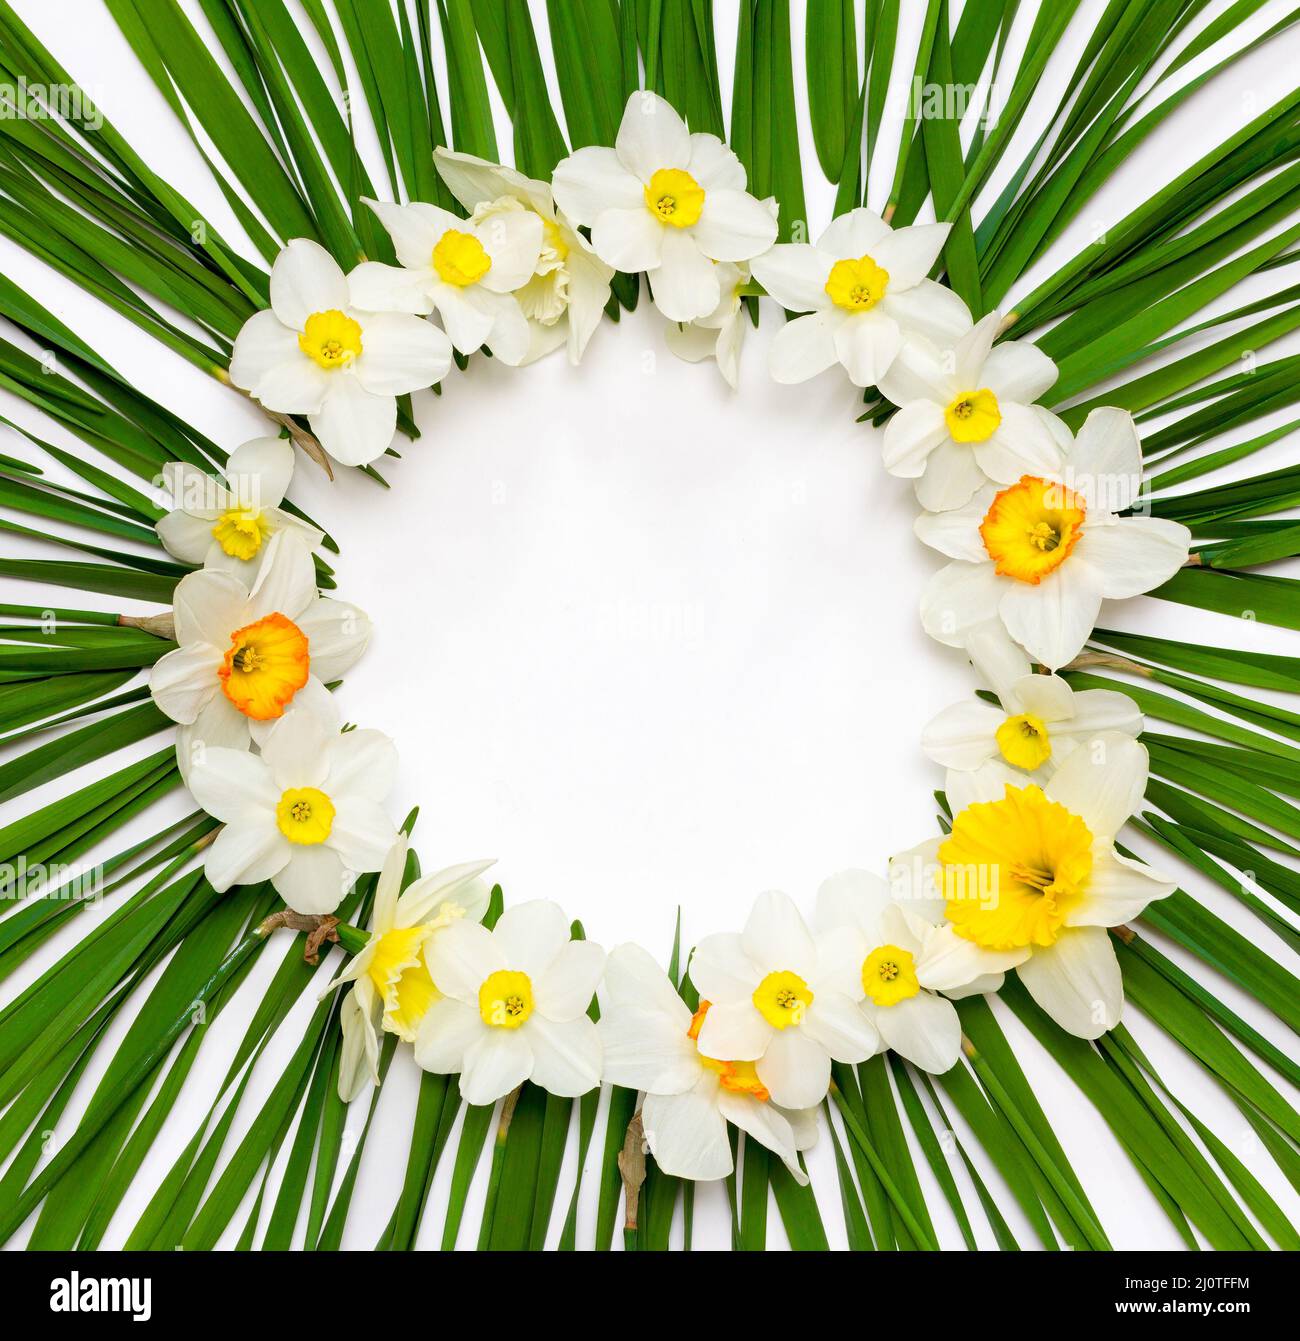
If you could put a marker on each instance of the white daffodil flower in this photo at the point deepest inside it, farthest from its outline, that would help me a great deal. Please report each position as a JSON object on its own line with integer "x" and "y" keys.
{"x": 391, "y": 987}
{"x": 316, "y": 351}
{"x": 245, "y": 654}
{"x": 462, "y": 269}
{"x": 865, "y": 290}
{"x": 667, "y": 202}
{"x": 565, "y": 297}
{"x": 1037, "y": 558}
{"x": 902, "y": 962}
{"x": 777, "y": 998}
{"x": 1039, "y": 722}
{"x": 650, "y": 1041}
{"x": 514, "y": 1006}
{"x": 966, "y": 415}
{"x": 1035, "y": 869}
{"x": 306, "y": 814}
{"x": 227, "y": 524}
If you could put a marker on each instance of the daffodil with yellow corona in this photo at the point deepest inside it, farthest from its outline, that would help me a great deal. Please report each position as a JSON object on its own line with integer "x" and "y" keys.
{"x": 513, "y": 1006}
{"x": 667, "y": 202}
{"x": 1034, "y": 871}
{"x": 391, "y": 988}
{"x": 865, "y": 290}
{"x": 307, "y": 813}
{"x": 316, "y": 352}
{"x": 227, "y": 524}
{"x": 651, "y": 1043}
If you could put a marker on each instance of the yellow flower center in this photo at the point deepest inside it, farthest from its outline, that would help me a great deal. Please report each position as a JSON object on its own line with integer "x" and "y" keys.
{"x": 1012, "y": 869}
{"x": 857, "y": 286}
{"x": 554, "y": 239}
{"x": 240, "y": 532}
{"x": 738, "y": 1077}
{"x": 265, "y": 666}
{"x": 889, "y": 975}
{"x": 974, "y": 416}
{"x": 1031, "y": 528}
{"x": 505, "y": 1001}
{"x": 330, "y": 339}
{"x": 782, "y": 999}
{"x": 675, "y": 197}
{"x": 399, "y": 975}
{"x": 1024, "y": 741}
{"x": 305, "y": 815}
{"x": 459, "y": 258}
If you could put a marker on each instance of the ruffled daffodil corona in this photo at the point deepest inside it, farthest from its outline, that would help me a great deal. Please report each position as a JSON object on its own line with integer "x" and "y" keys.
{"x": 306, "y": 814}
{"x": 967, "y": 415}
{"x": 1036, "y": 559}
{"x": 316, "y": 351}
{"x": 666, "y": 202}
{"x": 391, "y": 987}
{"x": 514, "y": 1005}
{"x": 651, "y": 1043}
{"x": 245, "y": 655}
{"x": 227, "y": 524}
{"x": 865, "y": 290}
{"x": 1034, "y": 871}
{"x": 776, "y": 1000}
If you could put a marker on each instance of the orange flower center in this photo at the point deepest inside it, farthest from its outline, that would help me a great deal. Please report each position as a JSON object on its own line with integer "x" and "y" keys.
{"x": 265, "y": 666}
{"x": 1032, "y": 527}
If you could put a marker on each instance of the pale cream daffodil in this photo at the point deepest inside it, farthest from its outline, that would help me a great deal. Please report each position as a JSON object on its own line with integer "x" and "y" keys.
{"x": 1035, "y": 560}
{"x": 865, "y": 290}
{"x": 564, "y": 298}
{"x": 317, "y": 351}
{"x": 391, "y": 987}
{"x": 246, "y": 654}
{"x": 666, "y": 202}
{"x": 966, "y": 415}
{"x": 465, "y": 270}
{"x": 226, "y": 524}
{"x": 777, "y": 999}
{"x": 306, "y": 814}
{"x": 1034, "y": 870}
{"x": 650, "y": 1039}
{"x": 514, "y": 1006}
{"x": 909, "y": 968}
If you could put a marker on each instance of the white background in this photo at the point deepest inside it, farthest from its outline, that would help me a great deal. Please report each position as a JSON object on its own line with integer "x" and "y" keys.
{"x": 648, "y": 642}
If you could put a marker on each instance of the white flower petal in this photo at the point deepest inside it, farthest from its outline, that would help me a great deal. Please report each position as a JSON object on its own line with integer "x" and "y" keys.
{"x": 183, "y": 682}
{"x": 566, "y": 1054}
{"x": 1048, "y": 697}
{"x": 359, "y": 1052}
{"x": 286, "y": 581}
{"x": 1022, "y": 444}
{"x": 911, "y": 435}
{"x": 767, "y": 1125}
{"x": 733, "y": 226}
{"x": 233, "y": 785}
{"x": 645, "y": 1050}
{"x": 908, "y": 254}
{"x": 963, "y": 736}
{"x": 313, "y": 880}
{"x": 838, "y": 1024}
{"x": 401, "y": 354}
{"x": 1053, "y": 619}
{"x": 498, "y": 1061}
{"x": 1077, "y": 981}
{"x": 259, "y": 472}
{"x": 795, "y": 1068}
{"x": 776, "y": 938}
{"x": 687, "y": 1134}
{"x": 532, "y": 935}
{"x": 337, "y": 634}
{"x": 1106, "y": 460}
{"x": 1118, "y": 889}
{"x": 1017, "y": 370}
{"x": 461, "y": 958}
{"x": 795, "y": 275}
{"x": 959, "y": 599}
{"x": 714, "y": 165}
{"x": 866, "y": 345}
{"x": 353, "y": 425}
{"x": 948, "y": 962}
{"x": 956, "y": 532}
{"x": 305, "y": 279}
{"x": 721, "y": 970}
{"x": 651, "y": 136}
{"x": 854, "y": 233}
{"x": 564, "y": 989}
{"x": 185, "y": 536}
{"x": 415, "y": 229}
{"x": 925, "y": 1029}
{"x": 952, "y": 478}
{"x": 1103, "y": 783}
{"x": 685, "y": 286}
{"x": 802, "y": 348}
{"x": 928, "y": 309}
{"x": 468, "y": 318}
{"x": 592, "y": 180}
{"x": 1134, "y": 554}
{"x": 248, "y": 850}
{"x": 363, "y": 763}
{"x": 1098, "y": 710}
{"x": 734, "y": 1031}
{"x": 376, "y": 287}
{"x": 297, "y": 750}
{"x": 219, "y": 725}
{"x": 513, "y": 241}
{"x": 447, "y": 1031}
{"x": 208, "y": 608}
{"x": 361, "y": 832}
{"x": 267, "y": 363}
